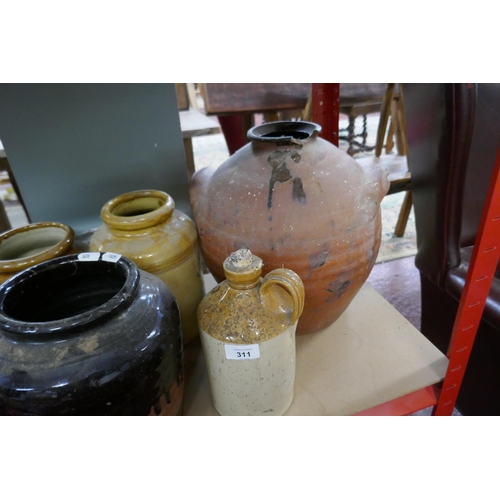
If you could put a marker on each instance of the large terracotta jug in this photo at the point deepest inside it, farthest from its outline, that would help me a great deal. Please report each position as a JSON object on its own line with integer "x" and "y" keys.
{"x": 298, "y": 202}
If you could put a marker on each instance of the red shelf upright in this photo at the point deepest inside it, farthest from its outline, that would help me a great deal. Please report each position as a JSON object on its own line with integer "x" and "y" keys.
{"x": 481, "y": 271}
{"x": 485, "y": 256}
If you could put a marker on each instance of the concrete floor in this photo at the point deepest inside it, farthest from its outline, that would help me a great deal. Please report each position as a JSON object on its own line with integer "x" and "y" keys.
{"x": 398, "y": 282}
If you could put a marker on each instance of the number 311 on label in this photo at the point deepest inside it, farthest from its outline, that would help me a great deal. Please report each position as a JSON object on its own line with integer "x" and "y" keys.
{"x": 242, "y": 352}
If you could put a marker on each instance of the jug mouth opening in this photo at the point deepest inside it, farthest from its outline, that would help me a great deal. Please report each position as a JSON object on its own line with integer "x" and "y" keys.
{"x": 66, "y": 293}
{"x": 284, "y": 132}
{"x": 294, "y": 134}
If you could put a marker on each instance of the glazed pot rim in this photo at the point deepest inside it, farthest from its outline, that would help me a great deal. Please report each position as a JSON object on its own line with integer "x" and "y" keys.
{"x": 49, "y": 329}
{"x": 284, "y": 132}
{"x": 137, "y": 221}
{"x": 59, "y": 249}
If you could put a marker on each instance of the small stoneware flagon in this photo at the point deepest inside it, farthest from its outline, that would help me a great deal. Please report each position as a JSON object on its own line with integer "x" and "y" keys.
{"x": 247, "y": 328}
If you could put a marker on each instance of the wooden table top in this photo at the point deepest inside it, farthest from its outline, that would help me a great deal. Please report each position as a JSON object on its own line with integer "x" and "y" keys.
{"x": 194, "y": 123}
{"x": 230, "y": 98}
{"x": 238, "y": 98}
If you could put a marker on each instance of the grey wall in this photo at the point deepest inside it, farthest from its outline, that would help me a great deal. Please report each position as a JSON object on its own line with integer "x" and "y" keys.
{"x": 72, "y": 147}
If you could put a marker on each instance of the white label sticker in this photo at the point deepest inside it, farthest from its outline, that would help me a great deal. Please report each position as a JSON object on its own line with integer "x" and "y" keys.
{"x": 241, "y": 352}
{"x": 111, "y": 257}
{"x": 89, "y": 256}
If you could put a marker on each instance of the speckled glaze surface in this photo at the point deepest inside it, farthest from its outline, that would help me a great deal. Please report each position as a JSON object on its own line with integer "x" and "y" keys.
{"x": 298, "y": 202}
{"x": 33, "y": 244}
{"x": 145, "y": 227}
{"x": 89, "y": 337}
{"x": 256, "y": 319}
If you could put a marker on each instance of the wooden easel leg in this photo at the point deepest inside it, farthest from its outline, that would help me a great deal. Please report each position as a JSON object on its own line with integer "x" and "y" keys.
{"x": 385, "y": 111}
{"x": 402, "y": 124}
{"x": 389, "y": 144}
{"x": 404, "y": 213}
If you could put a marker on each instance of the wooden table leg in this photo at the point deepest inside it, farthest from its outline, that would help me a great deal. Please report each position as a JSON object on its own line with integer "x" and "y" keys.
{"x": 4, "y": 220}
{"x": 271, "y": 117}
{"x": 4, "y": 165}
{"x": 247, "y": 123}
{"x": 188, "y": 148}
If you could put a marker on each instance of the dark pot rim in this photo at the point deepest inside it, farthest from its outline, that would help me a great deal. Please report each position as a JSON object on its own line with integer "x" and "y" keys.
{"x": 49, "y": 329}
{"x": 284, "y": 132}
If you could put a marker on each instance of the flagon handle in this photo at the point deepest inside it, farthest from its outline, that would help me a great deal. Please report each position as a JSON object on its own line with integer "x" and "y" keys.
{"x": 291, "y": 283}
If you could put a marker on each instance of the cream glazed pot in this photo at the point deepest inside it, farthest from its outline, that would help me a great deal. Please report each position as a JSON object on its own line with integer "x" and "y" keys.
{"x": 247, "y": 329}
{"x": 145, "y": 227}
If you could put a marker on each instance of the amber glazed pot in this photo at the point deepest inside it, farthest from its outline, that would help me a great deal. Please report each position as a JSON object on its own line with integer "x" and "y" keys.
{"x": 298, "y": 202}
{"x": 145, "y": 227}
{"x": 33, "y": 244}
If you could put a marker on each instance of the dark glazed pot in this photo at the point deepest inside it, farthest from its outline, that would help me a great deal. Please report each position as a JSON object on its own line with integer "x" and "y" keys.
{"x": 80, "y": 336}
{"x": 300, "y": 203}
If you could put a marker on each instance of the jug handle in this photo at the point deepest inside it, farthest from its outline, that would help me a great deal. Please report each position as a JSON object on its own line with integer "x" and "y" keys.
{"x": 291, "y": 283}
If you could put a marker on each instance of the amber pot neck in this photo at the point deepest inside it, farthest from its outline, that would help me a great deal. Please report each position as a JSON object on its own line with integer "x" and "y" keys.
{"x": 138, "y": 210}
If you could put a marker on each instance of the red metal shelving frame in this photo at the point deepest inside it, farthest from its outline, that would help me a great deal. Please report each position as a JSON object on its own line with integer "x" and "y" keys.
{"x": 485, "y": 256}
{"x": 478, "y": 281}
{"x": 480, "y": 274}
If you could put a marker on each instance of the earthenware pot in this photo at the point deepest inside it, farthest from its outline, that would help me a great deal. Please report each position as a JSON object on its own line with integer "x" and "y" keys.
{"x": 298, "y": 202}
{"x": 145, "y": 227}
{"x": 89, "y": 334}
{"x": 247, "y": 329}
{"x": 32, "y": 244}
